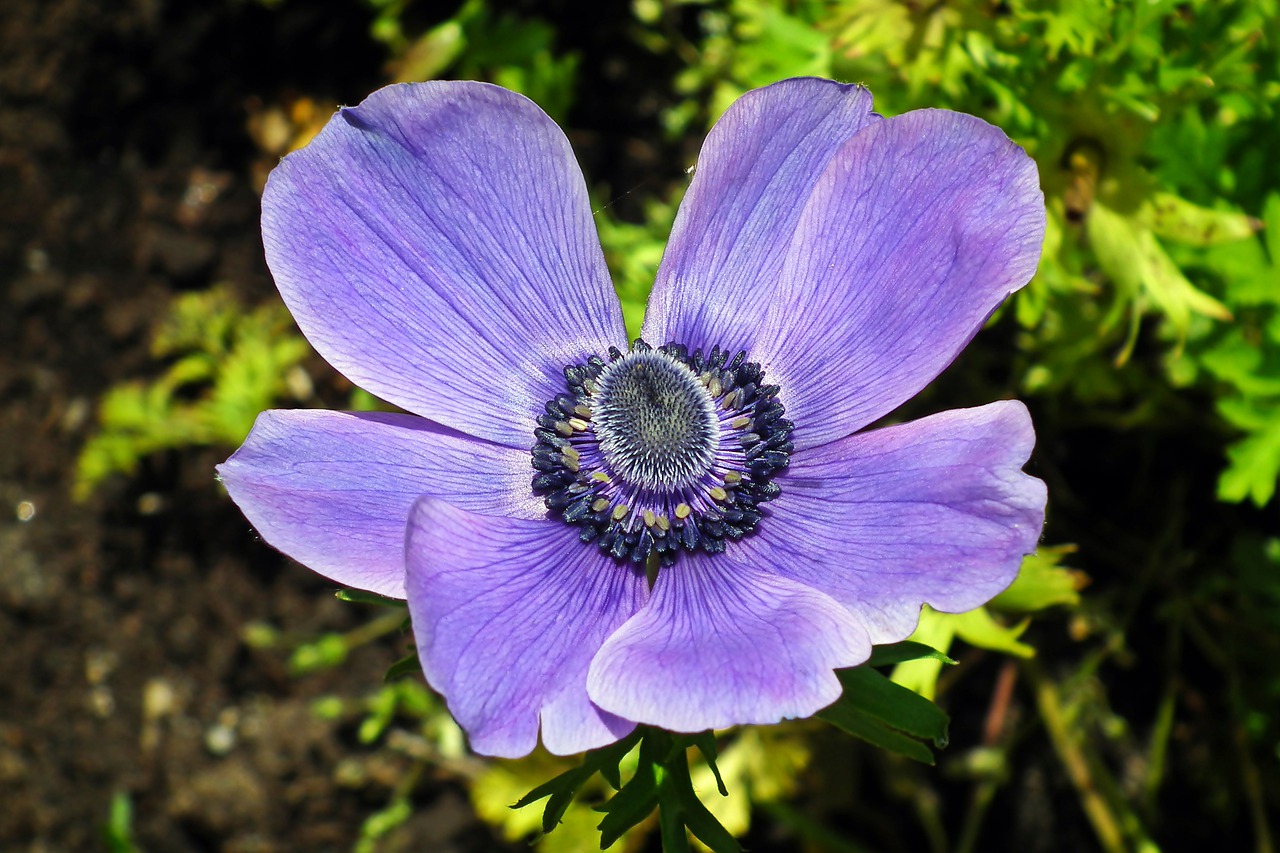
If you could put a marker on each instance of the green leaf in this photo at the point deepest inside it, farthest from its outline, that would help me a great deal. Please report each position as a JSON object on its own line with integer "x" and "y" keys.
{"x": 563, "y": 788}
{"x": 672, "y": 831}
{"x": 118, "y": 831}
{"x": 1253, "y": 466}
{"x": 1042, "y": 582}
{"x": 886, "y": 714}
{"x": 904, "y": 651}
{"x": 325, "y": 653}
{"x": 1252, "y": 368}
{"x": 381, "y": 823}
{"x": 978, "y": 628}
{"x": 876, "y": 733}
{"x": 360, "y": 596}
{"x": 706, "y": 744}
{"x": 1177, "y": 219}
{"x": 227, "y": 364}
{"x": 382, "y": 709}
{"x": 680, "y": 804}
{"x": 874, "y": 694}
{"x": 432, "y": 53}
{"x": 407, "y": 665}
{"x": 1271, "y": 234}
{"x": 500, "y": 783}
{"x": 937, "y": 631}
{"x": 607, "y": 760}
{"x": 1133, "y": 258}
{"x": 635, "y": 801}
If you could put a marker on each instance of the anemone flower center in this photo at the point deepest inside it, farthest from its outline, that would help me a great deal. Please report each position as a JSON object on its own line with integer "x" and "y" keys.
{"x": 655, "y": 422}
{"x": 657, "y": 452}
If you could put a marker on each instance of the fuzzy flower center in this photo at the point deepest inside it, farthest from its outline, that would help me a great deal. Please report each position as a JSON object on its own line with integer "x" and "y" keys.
{"x": 656, "y": 451}
{"x": 655, "y": 422}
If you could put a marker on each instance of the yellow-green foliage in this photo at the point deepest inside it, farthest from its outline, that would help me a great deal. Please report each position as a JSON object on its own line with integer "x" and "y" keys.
{"x": 502, "y": 783}
{"x": 1042, "y": 582}
{"x": 225, "y": 364}
{"x": 1149, "y": 122}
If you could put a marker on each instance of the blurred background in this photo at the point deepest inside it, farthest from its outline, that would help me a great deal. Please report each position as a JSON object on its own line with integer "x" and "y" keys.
{"x": 170, "y": 683}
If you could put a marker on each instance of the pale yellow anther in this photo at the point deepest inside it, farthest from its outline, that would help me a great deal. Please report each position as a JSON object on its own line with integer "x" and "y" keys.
{"x": 650, "y": 518}
{"x": 577, "y": 423}
{"x": 570, "y": 462}
{"x": 600, "y": 476}
{"x": 599, "y": 505}
{"x": 683, "y": 510}
{"x": 664, "y": 523}
{"x": 718, "y": 493}
{"x": 740, "y": 423}
{"x": 620, "y": 512}
{"x": 582, "y": 410}
{"x": 714, "y": 387}
{"x": 564, "y": 428}
{"x": 732, "y": 478}
{"x": 570, "y": 453}
{"x": 730, "y": 400}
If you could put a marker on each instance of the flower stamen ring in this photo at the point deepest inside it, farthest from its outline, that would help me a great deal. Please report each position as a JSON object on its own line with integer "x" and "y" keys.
{"x": 658, "y": 451}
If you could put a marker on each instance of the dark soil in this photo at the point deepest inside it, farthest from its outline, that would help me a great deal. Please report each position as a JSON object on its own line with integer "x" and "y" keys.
{"x": 127, "y": 175}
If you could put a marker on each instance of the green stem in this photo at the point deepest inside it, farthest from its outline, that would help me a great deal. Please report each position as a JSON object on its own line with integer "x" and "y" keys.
{"x": 1117, "y": 827}
{"x": 372, "y": 630}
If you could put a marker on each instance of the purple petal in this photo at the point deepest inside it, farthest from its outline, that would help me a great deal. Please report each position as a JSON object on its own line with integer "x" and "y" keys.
{"x": 333, "y": 490}
{"x": 725, "y": 643}
{"x": 935, "y": 511}
{"x": 756, "y": 169}
{"x": 435, "y": 244}
{"x": 507, "y": 614}
{"x": 920, "y": 227}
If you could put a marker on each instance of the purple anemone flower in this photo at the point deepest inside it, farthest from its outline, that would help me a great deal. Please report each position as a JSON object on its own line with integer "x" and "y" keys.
{"x": 435, "y": 244}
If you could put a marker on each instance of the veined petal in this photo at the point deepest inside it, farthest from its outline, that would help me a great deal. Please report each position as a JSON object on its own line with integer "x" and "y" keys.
{"x": 724, "y": 643}
{"x": 507, "y": 614}
{"x": 935, "y": 511}
{"x": 435, "y": 244}
{"x": 918, "y": 230}
{"x": 333, "y": 490}
{"x": 756, "y": 169}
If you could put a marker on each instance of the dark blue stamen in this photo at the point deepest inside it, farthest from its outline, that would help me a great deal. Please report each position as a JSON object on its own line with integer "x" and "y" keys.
{"x": 658, "y": 451}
